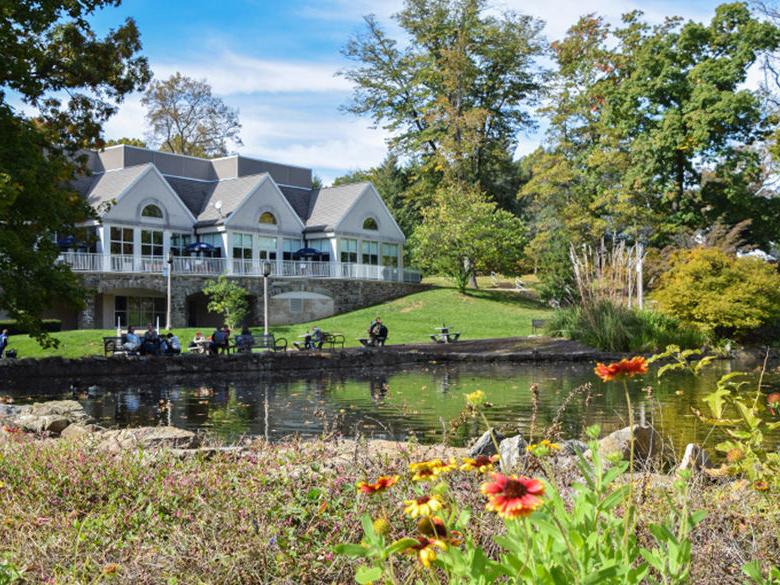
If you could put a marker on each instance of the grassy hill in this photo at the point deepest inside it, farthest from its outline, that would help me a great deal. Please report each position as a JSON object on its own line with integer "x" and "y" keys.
{"x": 477, "y": 315}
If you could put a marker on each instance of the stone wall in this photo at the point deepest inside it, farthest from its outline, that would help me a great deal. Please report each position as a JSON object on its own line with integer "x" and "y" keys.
{"x": 330, "y": 296}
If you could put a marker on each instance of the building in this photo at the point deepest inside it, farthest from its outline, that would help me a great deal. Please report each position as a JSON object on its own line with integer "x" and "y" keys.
{"x": 234, "y": 215}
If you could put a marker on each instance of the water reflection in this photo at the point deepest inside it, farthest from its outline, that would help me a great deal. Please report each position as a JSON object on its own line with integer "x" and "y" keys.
{"x": 418, "y": 402}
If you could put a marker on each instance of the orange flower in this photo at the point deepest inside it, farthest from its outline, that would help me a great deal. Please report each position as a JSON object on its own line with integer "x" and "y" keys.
{"x": 379, "y": 485}
{"x": 628, "y": 368}
{"x": 511, "y": 496}
{"x": 773, "y": 401}
{"x": 425, "y": 549}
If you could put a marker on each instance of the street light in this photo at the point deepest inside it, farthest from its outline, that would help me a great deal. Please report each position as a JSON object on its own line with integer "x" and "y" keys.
{"x": 168, "y": 309}
{"x": 266, "y": 274}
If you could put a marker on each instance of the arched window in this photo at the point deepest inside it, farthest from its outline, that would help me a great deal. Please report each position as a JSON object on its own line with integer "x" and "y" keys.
{"x": 370, "y": 224}
{"x": 152, "y": 211}
{"x": 267, "y": 217}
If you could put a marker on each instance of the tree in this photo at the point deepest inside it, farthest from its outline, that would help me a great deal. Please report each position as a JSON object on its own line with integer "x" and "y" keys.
{"x": 228, "y": 299}
{"x": 185, "y": 118}
{"x": 49, "y": 51}
{"x": 124, "y": 140}
{"x": 464, "y": 233}
{"x": 456, "y": 95}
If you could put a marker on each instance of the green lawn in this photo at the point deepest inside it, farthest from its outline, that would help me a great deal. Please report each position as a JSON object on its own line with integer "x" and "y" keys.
{"x": 477, "y": 315}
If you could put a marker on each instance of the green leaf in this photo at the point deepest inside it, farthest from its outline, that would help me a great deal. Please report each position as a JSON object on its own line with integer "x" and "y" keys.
{"x": 366, "y": 575}
{"x": 351, "y": 550}
{"x": 401, "y": 545}
{"x": 716, "y": 400}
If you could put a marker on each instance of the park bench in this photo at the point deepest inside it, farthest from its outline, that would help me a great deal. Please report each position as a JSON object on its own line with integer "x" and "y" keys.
{"x": 333, "y": 339}
{"x": 538, "y": 324}
{"x": 365, "y": 342}
{"x": 263, "y": 342}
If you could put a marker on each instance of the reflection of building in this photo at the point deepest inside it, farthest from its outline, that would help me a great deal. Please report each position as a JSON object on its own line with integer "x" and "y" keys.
{"x": 222, "y": 216}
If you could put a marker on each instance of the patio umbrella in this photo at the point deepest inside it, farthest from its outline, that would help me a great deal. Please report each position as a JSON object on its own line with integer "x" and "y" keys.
{"x": 67, "y": 242}
{"x": 200, "y": 247}
{"x": 307, "y": 253}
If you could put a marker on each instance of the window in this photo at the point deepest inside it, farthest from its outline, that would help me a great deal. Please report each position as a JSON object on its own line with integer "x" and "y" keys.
{"x": 179, "y": 243}
{"x": 370, "y": 224}
{"x": 216, "y": 241}
{"x": 138, "y": 311}
{"x": 242, "y": 246}
{"x": 390, "y": 255}
{"x": 266, "y": 248}
{"x": 371, "y": 253}
{"x": 151, "y": 243}
{"x": 349, "y": 250}
{"x": 322, "y": 245}
{"x": 290, "y": 248}
{"x": 268, "y": 218}
{"x": 152, "y": 211}
{"x": 122, "y": 241}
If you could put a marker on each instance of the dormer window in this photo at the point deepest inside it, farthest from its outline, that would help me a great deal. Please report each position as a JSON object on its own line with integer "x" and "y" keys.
{"x": 152, "y": 211}
{"x": 370, "y": 224}
{"x": 267, "y": 218}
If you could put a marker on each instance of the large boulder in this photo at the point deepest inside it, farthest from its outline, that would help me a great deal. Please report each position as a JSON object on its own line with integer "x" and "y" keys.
{"x": 647, "y": 444}
{"x": 69, "y": 409}
{"x": 77, "y": 431}
{"x": 147, "y": 438}
{"x": 48, "y": 423}
{"x": 513, "y": 451}
{"x": 45, "y": 417}
{"x": 485, "y": 444}
{"x": 573, "y": 447}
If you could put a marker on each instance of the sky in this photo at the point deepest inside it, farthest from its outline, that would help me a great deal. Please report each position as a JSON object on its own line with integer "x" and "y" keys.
{"x": 276, "y": 61}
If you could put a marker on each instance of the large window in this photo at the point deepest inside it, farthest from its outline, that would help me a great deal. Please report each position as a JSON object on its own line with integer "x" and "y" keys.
{"x": 290, "y": 248}
{"x": 179, "y": 243}
{"x": 349, "y": 250}
{"x": 151, "y": 243}
{"x": 266, "y": 248}
{"x": 152, "y": 211}
{"x": 267, "y": 218}
{"x": 371, "y": 253}
{"x": 138, "y": 311}
{"x": 122, "y": 241}
{"x": 216, "y": 241}
{"x": 390, "y": 255}
{"x": 242, "y": 246}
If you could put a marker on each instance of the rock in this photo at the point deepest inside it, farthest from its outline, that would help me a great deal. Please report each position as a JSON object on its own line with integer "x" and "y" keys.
{"x": 50, "y": 423}
{"x": 208, "y": 452}
{"x": 10, "y": 411}
{"x": 147, "y": 438}
{"x": 647, "y": 443}
{"x": 485, "y": 444}
{"x": 79, "y": 430}
{"x": 69, "y": 409}
{"x": 573, "y": 447}
{"x": 513, "y": 452}
{"x": 695, "y": 459}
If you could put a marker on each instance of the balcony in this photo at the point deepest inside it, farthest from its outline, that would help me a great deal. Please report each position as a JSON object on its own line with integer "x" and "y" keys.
{"x": 196, "y": 266}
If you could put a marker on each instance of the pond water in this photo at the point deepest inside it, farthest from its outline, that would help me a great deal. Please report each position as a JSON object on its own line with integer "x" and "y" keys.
{"x": 397, "y": 404}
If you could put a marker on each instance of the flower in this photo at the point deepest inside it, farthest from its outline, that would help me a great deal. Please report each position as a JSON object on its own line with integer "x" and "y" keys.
{"x": 543, "y": 448}
{"x": 379, "y": 485}
{"x": 625, "y": 367}
{"x": 425, "y": 549}
{"x": 760, "y": 486}
{"x": 381, "y": 526}
{"x": 480, "y": 464}
{"x": 475, "y": 398}
{"x": 511, "y": 496}
{"x": 423, "y": 506}
{"x": 429, "y": 470}
{"x": 773, "y": 401}
{"x": 434, "y": 527}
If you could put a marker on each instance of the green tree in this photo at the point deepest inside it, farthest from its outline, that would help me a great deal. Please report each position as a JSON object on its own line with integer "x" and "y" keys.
{"x": 185, "y": 118}
{"x": 124, "y": 140}
{"x": 464, "y": 233}
{"x": 53, "y": 61}
{"x": 719, "y": 293}
{"x": 228, "y": 299}
{"x": 457, "y": 94}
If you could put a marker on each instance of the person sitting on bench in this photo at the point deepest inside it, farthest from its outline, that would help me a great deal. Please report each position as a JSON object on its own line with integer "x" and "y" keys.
{"x": 172, "y": 344}
{"x": 245, "y": 340}
{"x": 132, "y": 341}
{"x": 311, "y": 340}
{"x": 220, "y": 340}
{"x": 377, "y": 333}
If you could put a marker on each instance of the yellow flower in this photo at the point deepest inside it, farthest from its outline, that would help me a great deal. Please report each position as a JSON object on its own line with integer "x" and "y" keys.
{"x": 476, "y": 398}
{"x": 426, "y": 549}
{"x": 479, "y": 464}
{"x": 430, "y": 470}
{"x": 543, "y": 448}
{"x": 382, "y": 526}
{"x": 423, "y": 506}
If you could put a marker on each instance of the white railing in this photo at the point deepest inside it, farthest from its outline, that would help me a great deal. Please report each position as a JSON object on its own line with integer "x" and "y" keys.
{"x": 83, "y": 262}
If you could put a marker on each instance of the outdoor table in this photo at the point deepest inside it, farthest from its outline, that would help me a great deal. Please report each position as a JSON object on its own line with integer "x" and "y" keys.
{"x": 444, "y": 335}
{"x": 201, "y": 346}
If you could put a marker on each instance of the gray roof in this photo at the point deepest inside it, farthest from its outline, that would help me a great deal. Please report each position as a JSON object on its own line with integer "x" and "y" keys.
{"x": 231, "y": 192}
{"x": 194, "y": 194}
{"x": 105, "y": 187}
{"x": 299, "y": 199}
{"x": 329, "y": 205}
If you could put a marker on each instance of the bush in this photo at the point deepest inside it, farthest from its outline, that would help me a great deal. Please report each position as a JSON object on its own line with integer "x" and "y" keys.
{"x": 720, "y": 294}
{"x": 611, "y": 327}
{"x": 14, "y": 328}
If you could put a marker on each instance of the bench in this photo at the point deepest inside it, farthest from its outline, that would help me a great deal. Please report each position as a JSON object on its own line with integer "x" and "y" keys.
{"x": 537, "y": 324}
{"x": 379, "y": 341}
{"x": 263, "y": 342}
{"x": 445, "y": 337}
{"x": 333, "y": 339}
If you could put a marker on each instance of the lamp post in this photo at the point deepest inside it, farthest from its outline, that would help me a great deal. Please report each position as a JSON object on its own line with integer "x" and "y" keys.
{"x": 266, "y": 274}
{"x": 168, "y": 307}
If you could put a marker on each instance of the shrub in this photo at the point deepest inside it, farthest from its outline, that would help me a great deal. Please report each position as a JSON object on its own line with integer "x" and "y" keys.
{"x": 228, "y": 299}
{"x": 611, "y": 327}
{"x": 15, "y": 328}
{"x": 719, "y": 293}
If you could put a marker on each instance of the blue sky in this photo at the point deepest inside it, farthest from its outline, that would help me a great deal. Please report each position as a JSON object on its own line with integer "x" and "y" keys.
{"x": 276, "y": 62}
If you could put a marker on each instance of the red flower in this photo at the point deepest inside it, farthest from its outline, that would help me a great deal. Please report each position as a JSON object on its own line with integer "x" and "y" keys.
{"x": 379, "y": 485}
{"x": 773, "y": 401}
{"x": 511, "y": 496}
{"x": 629, "y": 368}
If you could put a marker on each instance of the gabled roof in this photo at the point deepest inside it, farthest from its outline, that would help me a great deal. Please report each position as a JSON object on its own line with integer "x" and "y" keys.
{"x": 299, "y": 199}
{"x": 329, "y": 205}
{"x": 231, "y": 192}
{"x": 108, "y": 186}
{"x": 195, "y": 194}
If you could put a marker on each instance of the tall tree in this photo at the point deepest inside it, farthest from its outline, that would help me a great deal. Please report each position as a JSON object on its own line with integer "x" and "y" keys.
{"x": 124, "y": 140}
{"x": 185, "y": 118}
{"x": 457, "y": 94}
{"x": 49, "y": 50}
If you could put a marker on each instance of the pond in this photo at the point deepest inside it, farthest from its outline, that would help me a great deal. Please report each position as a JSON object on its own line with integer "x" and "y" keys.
{"x": 397, "y": 404}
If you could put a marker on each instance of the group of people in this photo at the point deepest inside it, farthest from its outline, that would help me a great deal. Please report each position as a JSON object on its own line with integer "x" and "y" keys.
{"x": 219, "y": 341}
{"x": 152, "y": 343}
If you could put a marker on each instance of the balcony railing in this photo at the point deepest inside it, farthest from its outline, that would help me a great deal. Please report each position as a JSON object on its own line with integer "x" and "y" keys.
{"x": 184, "y": 265}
